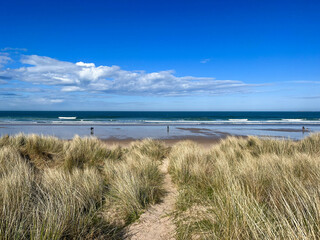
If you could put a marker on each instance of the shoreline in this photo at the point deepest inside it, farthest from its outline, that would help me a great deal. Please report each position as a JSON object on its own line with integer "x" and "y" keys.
{"x": 123, "y": 134}
{"x": 173, "y": 124}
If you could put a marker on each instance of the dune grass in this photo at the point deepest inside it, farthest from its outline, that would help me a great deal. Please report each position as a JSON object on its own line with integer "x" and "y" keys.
{"x": 55, "y": 189}
{"x": 241, "y": 188}
{"x": 135, "y": 181}
{"x": 248, "y": 189}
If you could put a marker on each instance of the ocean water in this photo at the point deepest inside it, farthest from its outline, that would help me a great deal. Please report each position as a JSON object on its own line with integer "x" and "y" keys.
{"x": 135, "y": 117}
{"x": 138, "y": 125}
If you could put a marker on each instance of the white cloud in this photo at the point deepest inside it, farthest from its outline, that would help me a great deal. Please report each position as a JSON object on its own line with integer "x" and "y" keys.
{"x": 56, "y": 100}
{"x": 4, "y": 60}
{"x": 71, "y": 89}
{"x": 82, "y": 76}
{"x": 205, "y": 60}
{"x": 45, "y": 100}
{"x": 82, "y": 64}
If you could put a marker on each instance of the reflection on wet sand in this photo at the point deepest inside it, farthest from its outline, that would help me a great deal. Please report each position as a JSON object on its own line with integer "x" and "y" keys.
{"x": 285, "y": 130}
{"x": 161, "y": 132}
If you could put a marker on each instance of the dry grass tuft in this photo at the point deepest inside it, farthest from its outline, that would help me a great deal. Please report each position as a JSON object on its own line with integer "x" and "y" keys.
{"x": 248, "y": 189}
{"x": 16, "y": 181}
{"x": 84, "y": 152}
{"x": 55, "y": 205}
{"x": 153, "y": 149}
{"x": 39, "y": 199}
{"x": 68, "y": 205}
{"x": 135, "y": 182}
{"x": 42, "y": 151}
{"x": 83, "y": 189}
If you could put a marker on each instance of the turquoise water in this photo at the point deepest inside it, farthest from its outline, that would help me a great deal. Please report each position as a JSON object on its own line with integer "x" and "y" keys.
{"x": 138, "y": 125}
{"x": 135, "y": 117}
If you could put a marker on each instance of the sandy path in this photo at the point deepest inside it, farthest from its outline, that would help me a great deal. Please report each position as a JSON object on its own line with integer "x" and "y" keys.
{"x": 155, "y": 224}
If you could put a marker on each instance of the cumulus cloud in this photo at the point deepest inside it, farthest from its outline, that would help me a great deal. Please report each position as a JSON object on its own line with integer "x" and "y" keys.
{"x": 80, "y": 76}
{"x": 4, "y": 59}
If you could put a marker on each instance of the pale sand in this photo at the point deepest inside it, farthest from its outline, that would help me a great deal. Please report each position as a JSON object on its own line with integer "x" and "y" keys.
{"x": 156, "y": 223}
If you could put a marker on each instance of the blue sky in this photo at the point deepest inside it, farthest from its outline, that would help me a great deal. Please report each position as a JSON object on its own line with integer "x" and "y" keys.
{"x": 160, "y": 55}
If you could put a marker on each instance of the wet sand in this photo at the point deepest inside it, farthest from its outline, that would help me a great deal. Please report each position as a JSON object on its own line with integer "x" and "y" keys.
{"x": 208, "y": 138}
{"x": 125, "y": 134}
{"x": 211, "y": 137}
{"x": 196, "y": 130}
{"x": 210, "y": 132}
{"x": 284, "y": 130}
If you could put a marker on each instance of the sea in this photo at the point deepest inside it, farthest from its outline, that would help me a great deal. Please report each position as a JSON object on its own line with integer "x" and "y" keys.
{"x": 159, "y": 124}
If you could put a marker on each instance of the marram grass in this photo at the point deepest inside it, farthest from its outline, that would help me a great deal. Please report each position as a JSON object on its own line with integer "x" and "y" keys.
{"x": 241, "y": 188}
{"x": 248, "y": 189}
{"x": 55, "y": 189}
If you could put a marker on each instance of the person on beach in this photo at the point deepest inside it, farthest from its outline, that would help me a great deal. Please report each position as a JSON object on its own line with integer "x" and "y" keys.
{"x": 168, "y": 128}
{"x": 92, "y": 130}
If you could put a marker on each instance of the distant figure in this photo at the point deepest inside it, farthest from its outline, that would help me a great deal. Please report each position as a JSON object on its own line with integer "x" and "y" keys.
{"x": 167, "y": 128}
{"x": 303, "y": 129}
{"x": 92, "y": 130}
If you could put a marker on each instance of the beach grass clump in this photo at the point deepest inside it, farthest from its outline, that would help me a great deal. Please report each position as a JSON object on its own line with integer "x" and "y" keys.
{"x": 153, "y": 149}
{"x": 68, "y": 189}
{"x": 310, "y": 144}
{"x": 240, "y": 188}
{"x": 54, "y": 205}
{"x": 48, "y": 151}
{"x": 136, "y": 181}
{"x": 42, "y": 151}
{"x": 68, "y": 205}
{"x": 84, "y": 152}
{"x": 17, "y": 182}
{"x": 248, "y": 189}
{"x": 116, "y": 153}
